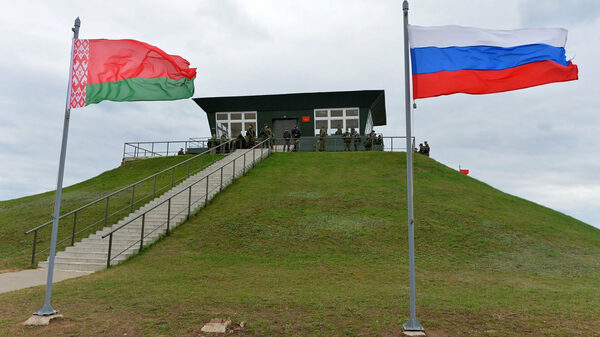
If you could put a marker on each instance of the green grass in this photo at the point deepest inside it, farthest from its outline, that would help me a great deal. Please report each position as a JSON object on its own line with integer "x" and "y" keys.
{"x": 20, "y": 215}
{"x": 315, "y": 244}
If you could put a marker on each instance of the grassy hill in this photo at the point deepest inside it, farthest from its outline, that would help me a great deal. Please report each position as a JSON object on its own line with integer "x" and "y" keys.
{"x": 22, "y": 214}
{"x": 315, "y": 244}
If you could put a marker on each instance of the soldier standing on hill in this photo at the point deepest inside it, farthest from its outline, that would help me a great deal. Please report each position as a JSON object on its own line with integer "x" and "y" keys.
{"x": 223, "y": 142}
{"x": 356, "y": 137}
{"x": 212, "y": 143}
{"x": 322, "y": 137}
{"x": 426, "y": 149}
{"x": 250, "y": 134}
{"x": 296, "y": 136}
{"x": 347, "y": 139}
{"x": 286, "y": 137}
{"x": 264, "y": 134}
{"x": 271, "y": 137}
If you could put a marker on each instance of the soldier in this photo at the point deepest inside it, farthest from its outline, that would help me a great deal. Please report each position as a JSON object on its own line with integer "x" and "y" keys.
{"x": 356, "y": 137}
{"x": 212, "y": 143}
{"x": 421, "y": 149}
{"x": 286, "y": 137}
{"x": 241, "y": 142}
{"x": 271, "y": 137}
{"x": 250, "y": 135}
{"x": 223, "y": 142}
{"x": 426, "y": 149}
{"x": 264, "y": 134}
{"x": 296, "y": 136}
{"x": 347, "y": 139}
{"x": 322, "y": 137}
{"x": 338, "y": 132}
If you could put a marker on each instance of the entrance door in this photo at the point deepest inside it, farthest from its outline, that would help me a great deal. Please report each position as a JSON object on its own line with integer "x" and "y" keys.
{"x": 279, "y": 126}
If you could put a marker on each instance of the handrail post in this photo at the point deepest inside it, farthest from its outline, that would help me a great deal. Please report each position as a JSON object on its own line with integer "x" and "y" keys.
{"x": 392, "y": 146}
{"x": 142, "y": 232}
{"x": 154, "y": 190}
{"x": 167, "y": 149}
{"x": 253, "y": 157}
{"x": 169, "y": 215}
{"x": 189, "y": 201}
{"x": 188, "y": 169}
{"x": 106, "y": 212}
{"x": 172, "y": 176}
{"x": 109, "y": 249}
{"x": 221, "y": 188}
{"x": 214, "y": 152}
{"x": 233, "y": 179}
{"x": 152, "y": 150}
{"x": 74, "y": 226}
{"x": 34, "y": 245}
{"x": 201, "y": 164}
{"x": 244, "y": 169}
{"x": 206, "y": 195}
{"x": 132, "y": 197}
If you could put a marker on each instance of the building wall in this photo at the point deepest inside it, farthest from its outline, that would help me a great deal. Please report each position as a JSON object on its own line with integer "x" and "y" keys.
{"x": 306, "y": 128}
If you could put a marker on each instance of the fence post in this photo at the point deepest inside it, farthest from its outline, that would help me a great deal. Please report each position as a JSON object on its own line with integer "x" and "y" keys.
{"x": 253, "y": 157}
{"x": 188, "y": 169}
{"x": 74, "y": 226}
{"x": 142, "y": 233}
{"x": 34, "y": 244}
{"x": 169, "y": 216}
{"x": 244, "y": 169}
{"x": 221, "y": 188}
{"x": 167, "y": 149}
{"x": 392, "y": 146}
{"x": 154, "y": 190}
{"x": 152, "y": 150}
{"x": 189, "y": 201}
{"x": 109, "y": 249}
{"x": 106, "y": 212}
{"x": 172, "y": 176}
{"x": 206, "y": 195}
{"x": 132, "y": 197}
{"x": 201, "y": 165}
{"x": 233, "y": 179}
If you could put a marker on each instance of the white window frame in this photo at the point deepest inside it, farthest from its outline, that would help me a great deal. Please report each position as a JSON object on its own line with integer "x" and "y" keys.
{"x": 344, "y": 118}
{"x": 244, "y": 121}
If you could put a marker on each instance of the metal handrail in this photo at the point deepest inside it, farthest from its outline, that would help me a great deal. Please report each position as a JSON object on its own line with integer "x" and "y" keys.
{"x": 107, "y": 197}
{"x": 127, "y": 187}
{"x": 387, "y": 143}
{"x": 187, "y": 188}
{"x": 137, "y": 147}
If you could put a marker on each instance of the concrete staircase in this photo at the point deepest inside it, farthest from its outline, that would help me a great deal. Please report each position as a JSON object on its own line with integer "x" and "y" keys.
{"x": 91, "y": 253}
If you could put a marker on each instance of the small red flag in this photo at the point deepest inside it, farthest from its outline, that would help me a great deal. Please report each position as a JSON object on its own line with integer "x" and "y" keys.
{"x": 465, "y": 172}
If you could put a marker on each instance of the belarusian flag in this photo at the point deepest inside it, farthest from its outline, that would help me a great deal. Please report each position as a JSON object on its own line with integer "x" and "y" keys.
{"x": 127, "y": 70}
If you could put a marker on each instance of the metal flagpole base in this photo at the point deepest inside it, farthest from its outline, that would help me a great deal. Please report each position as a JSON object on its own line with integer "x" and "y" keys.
{"x": 413, "y": 325}
{"x": 46, "y": 310}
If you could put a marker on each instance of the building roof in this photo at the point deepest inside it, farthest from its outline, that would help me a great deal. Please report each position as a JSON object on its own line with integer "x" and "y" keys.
{"x": 373, "y": 99}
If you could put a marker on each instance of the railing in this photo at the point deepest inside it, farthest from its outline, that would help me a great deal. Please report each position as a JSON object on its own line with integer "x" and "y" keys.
{"x": 123, "y": 201}
{"x": 337, "y": 143}
{"x": 190, "y": 204}
{"x": 133, "y": 150}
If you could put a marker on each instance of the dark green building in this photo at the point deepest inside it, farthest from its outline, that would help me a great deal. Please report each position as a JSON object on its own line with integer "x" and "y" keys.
{"x": 361, "y": 110}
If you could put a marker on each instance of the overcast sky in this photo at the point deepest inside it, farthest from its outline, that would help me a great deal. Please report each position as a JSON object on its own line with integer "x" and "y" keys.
{"x": 541, "y": 143}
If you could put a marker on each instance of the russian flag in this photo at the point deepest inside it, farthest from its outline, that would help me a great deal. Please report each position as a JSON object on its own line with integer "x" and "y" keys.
{"x": 454, "y": 59}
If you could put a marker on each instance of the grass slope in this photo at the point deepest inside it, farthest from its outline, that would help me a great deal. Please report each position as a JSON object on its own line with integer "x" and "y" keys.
{"x": 20, "y": 215}
{"x": 315, "y": 244}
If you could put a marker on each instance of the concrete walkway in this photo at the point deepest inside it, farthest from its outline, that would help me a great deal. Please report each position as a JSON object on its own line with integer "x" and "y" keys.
{"x": 33, "y": 277}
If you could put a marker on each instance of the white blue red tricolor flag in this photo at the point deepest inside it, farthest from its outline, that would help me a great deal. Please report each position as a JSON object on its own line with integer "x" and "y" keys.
{"x": 455, "y": 59}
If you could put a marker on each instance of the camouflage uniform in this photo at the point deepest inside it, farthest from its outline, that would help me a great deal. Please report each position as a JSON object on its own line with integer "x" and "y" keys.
{"x": 322, "y": 137}
{"x": 347, "y": 139}
{"x": 356, "y": 136}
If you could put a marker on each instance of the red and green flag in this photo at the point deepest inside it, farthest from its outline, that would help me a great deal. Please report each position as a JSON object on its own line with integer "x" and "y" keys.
{"x": 127, "y": 70}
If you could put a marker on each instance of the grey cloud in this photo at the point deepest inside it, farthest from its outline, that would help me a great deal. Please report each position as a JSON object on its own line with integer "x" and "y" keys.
{"x": 559, "y": 12}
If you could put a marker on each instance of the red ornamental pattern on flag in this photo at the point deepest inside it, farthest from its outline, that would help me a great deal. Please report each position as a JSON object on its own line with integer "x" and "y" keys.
{"x": 81, "y": 60}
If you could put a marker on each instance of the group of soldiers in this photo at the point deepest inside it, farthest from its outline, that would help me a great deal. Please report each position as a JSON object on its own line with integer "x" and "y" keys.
{"x": 424, "y": 149}
{"x": 351, "y": 137}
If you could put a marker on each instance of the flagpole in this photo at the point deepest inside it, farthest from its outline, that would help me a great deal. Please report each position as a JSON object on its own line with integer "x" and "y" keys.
{"x": 47, "y": 309}
{"x": 412, "y": 324}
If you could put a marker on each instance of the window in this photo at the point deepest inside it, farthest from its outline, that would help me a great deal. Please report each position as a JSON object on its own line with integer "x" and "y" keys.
{"x": 332, "y": 119}
{"x": 233, "y": 123}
